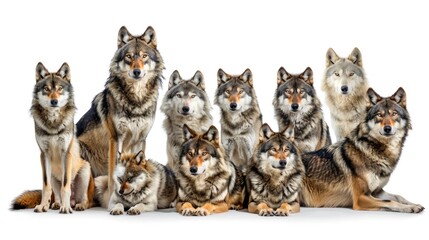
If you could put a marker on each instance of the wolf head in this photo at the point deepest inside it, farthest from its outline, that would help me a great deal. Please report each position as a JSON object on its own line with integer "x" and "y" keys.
{"x": 294, "y": 91}
{"x": 345, "y": 76}
{"x": 131, "y": 173}
{"x": 200, "y": 152}
{"x": 276, "y": 150}
{"x": 137, "y": 57}
{"x": 53, "y": 90}
{"x": 186, "y": 97}
{"x": 387, "y": 116}
{"x": 234, "y": 93}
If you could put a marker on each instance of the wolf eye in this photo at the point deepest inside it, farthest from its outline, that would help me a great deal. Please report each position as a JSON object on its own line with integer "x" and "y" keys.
{"x": 178, "y": 95}
{"x": 289, "y": 91}
{"x": 120, "y": 180}
{"x": 351, "y": 74}
{"x": 302, "y": 91}
{"x": 394, "y": 113}
{"x": 144, "y": 55}
{"x": 189, "y": 153}
{"x": 273, "y": 149}
{"x": 204, "y": 153}
{"x": 241, "y": 91}
{"x": 227, "y": 91}
{"x": 379, "y": 115}
{"x": 337, "y": 74}
{"x": 46, "y": 89}
{"x": 128, "y": 55}
{"x": 193, "y": 96}
{"x": 60, "y": 89}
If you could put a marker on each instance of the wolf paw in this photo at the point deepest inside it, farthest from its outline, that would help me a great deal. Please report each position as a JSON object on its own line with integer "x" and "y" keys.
{"x": 416, "y": 208}
{"x": 56, "y": 206}
{"x": 266, "y": 212}
{"x": 80, "y": 207}
{"x": 281, "y": 212}
{"x": 116, "y": 212}
{"x": 201, "y": 212}
{"x": 41, "y": 208}
{"x": 187, "y": 212}
{"x": 133, "y": 211}
{"x": 66, "y": 209}
{"x": 236, "y": 207}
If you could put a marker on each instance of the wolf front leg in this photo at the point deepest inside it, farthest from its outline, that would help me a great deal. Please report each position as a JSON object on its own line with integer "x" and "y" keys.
{"x": 210, "y": 208}
{"x": 262, "y": 209}
{"x": 185, "y": 208}
{"x": 47, "y": 188}
{"x": 66, "y": 167}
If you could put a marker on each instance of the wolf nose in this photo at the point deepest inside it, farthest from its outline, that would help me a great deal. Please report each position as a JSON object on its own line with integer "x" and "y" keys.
{"x": 185, "y": 109}
{"x": 193, "y": 169}
{"x": 282, "y": 163}
{"x": 294, "y": 106}
{"x": 121, "y": 191}
{"x": 136, "y": 72}
{"x": 387, "y": 129}
{"x": 54, "y": 102}
{"x": 233, "y": 105}
{"x": 344, "y": 89}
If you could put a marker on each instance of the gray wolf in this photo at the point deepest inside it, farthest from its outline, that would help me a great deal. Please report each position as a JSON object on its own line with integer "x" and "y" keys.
{"x": 276, "y": 175}
{"x": 122, "y": 115}
{"x": 241, "y": 117}
{"x": 295, "y": 102}
{"x": 64, "y": 171}
{"x": 345, "y": 84}
{"x": 140, "y": 186}
{"x": 207, "y": 182}
{"x": 185, "y": 102}
{"x": 353, "y": 172}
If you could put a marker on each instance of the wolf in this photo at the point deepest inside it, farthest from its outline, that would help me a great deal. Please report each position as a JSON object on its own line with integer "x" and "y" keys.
{"x": 207, "y": 182}
{"x": 276, "y": 175}
{"x": 185, "y": 102}
{"x": 122, "y": 115}
{"x": 141, "y": 185}
{"x": 241, "y": 117}
{"x": 353, "y": 172}
{"x": 295, "y": 102}
{"x": 345, "y": 84}
{"x": 64, "y": 171}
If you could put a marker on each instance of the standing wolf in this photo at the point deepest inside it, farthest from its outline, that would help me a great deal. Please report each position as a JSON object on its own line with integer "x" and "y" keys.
{"x": 185, "y": 102}
{"x": 64, "y": 171}
{"x": 295, "y": 102}
{"x": 122, "y": 115}
{"x": 354, "y": 171}
{"x": 345, "y": 85}
{"x": 241, "y": 117}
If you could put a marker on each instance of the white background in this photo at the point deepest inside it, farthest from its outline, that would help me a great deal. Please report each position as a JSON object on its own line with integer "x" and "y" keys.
{"x": 196, "y": 35}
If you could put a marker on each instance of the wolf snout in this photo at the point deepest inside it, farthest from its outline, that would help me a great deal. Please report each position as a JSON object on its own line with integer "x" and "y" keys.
{"x": 344, "y": 89}
{"x": 137, "y": 73}
{"x": 295, "y": 106}
{"x": 121, "y": 191}
{"x": 233, "y": 106}
{"x": 193, "y": 169}
{"x": 387, "y": 129}
{"x": 185, "y": 109}
{"x": 283, "y": 163}
{"x": 54, "y": 102}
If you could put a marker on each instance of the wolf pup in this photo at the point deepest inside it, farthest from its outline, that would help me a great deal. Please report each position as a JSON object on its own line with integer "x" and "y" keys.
{"x": 64, "y": 171}
{"x": 276, "y": 175}
{"x": 345, "y": 84}
{"x": 241, "y": 117}
{"x": 185, "y": 102}
{"x": 122, "y": 115}
{"x": 353, "y": 171}
{"x": 140, "y": 186}
{"x": 207, "y": 182}
{"x": 295, "y": 102}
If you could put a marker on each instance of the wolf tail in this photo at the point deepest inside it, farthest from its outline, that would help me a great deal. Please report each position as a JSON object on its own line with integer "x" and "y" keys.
{"x": 102, "y": 191}
{"x": 27, "y": 199}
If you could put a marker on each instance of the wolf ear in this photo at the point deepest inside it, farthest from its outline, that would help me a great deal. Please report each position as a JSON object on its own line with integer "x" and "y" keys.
{"x": 356, "y": 57}
{"x": 289, "y": 132}
{"x": 140, "y": 158}
{"x": 149, "y": 37}
{"x": 373, "y": 97}
{"x": 247, "y": 77}
{"x": 64, "y": 72}
{"x": 222, "y": 77}
{"x": 282, "y": 76}
{"x": 41, "y": 72}
{"x": 175, "y": 79}
{"x": 212, "y": 135}
{"x": 400, "y": 97}
{"x": 188, "y": 133}
{"x": 331, "y": 57}
{"x": 124, "y": 36}
{"x": 307, "y": 75}
{"x": 265, "y": 132}
{"x": 198, "y": 80}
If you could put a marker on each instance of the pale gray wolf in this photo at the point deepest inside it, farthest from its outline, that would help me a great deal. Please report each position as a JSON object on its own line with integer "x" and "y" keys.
{"x": 64, "y": 171}
{"x": 345, "y": 84}
{"x": 122, "y": 115}
{"x": 208, "y": 183}
{"x": 353, "y": 172}
{"x": 276, "y": 175}
{"x": 185, "y": 102}
{"x": 241, "y": 117}
{"x": 140, "y": 186}
{"x": 295, "y": 102}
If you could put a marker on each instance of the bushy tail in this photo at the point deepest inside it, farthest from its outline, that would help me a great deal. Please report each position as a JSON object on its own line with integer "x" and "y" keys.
{"x": 102, "y": 191}
{"x": 27, "y": 199}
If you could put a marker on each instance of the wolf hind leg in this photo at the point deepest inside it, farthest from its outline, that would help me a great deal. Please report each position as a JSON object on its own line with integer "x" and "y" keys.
{"x": 82, "y": 183}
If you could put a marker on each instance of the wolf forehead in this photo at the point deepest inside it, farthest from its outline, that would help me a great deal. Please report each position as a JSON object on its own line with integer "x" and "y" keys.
{"x": 344, "y": 66}
{"x": 385, "y": 106}
{"x": 136, "y": 46}
{"x": 186, "y": 87}
{"x": 277, "y": 141}
{"x": 196, "y": 145}
{"x": 295, "y": 83}
{"x": 53, "y": 82}
{"x": 234, "y": 83}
